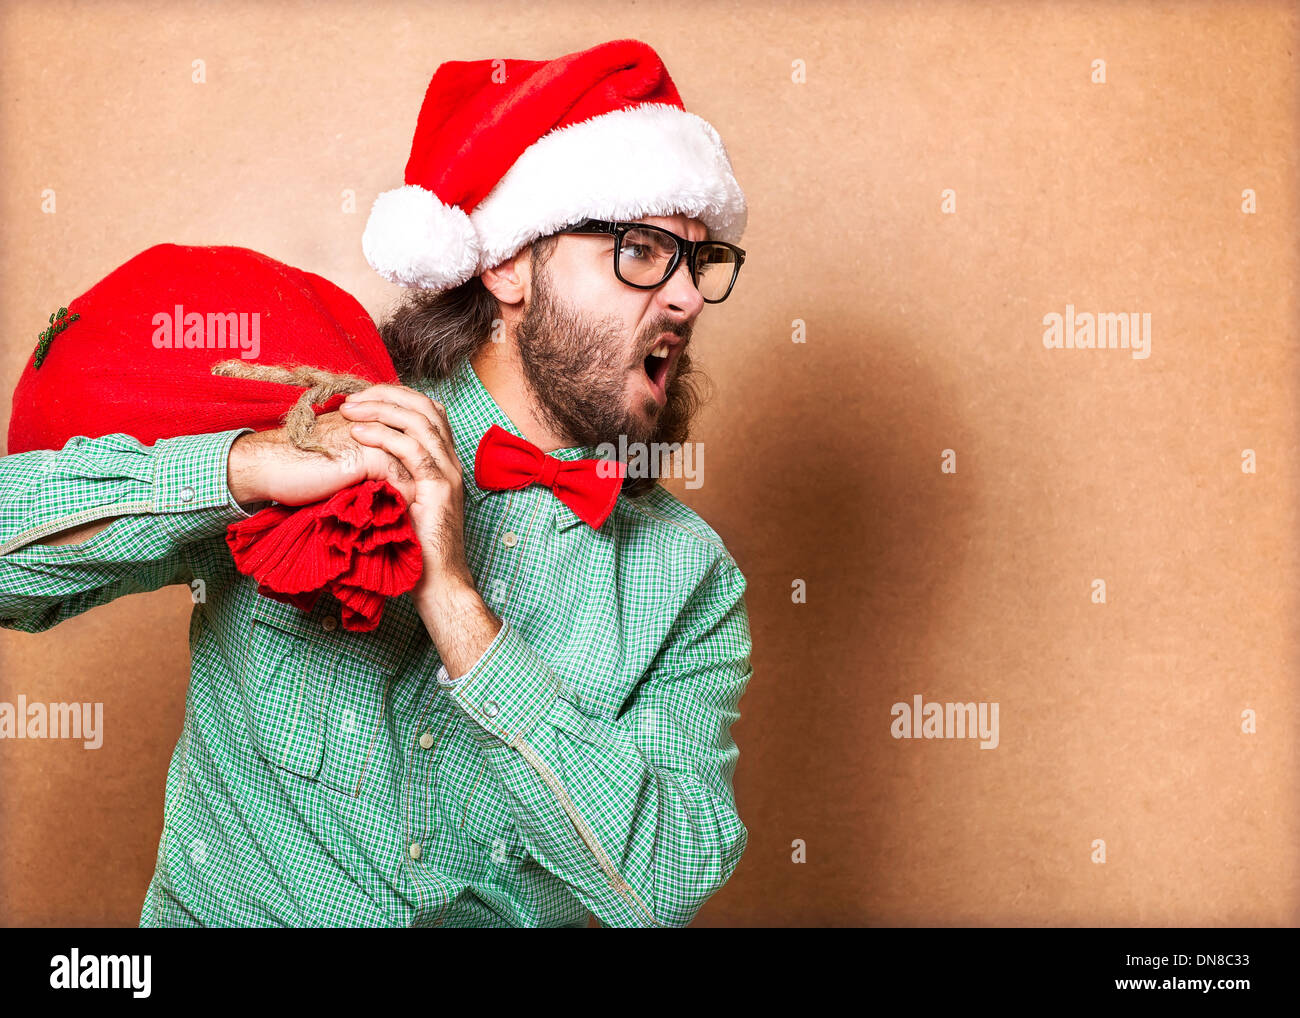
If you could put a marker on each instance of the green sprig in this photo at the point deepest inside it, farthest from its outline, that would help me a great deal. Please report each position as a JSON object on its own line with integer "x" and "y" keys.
{"x": 59, "y": 320}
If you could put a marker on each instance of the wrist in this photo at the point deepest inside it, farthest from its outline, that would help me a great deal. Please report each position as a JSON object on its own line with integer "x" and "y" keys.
{"x": 242, "y": 475}
{"x": 445, "y": 597}
{"x": 460, "y": 623}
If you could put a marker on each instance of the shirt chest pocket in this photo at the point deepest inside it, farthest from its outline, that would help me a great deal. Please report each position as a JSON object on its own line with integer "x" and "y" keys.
{"x": 315, "y": 695}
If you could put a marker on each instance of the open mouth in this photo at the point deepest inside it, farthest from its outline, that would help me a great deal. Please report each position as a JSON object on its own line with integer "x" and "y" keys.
{"x": 656, "y": 365}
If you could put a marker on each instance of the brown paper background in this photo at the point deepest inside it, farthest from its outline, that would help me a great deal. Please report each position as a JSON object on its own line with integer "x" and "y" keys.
{"x": 1118, "y": 721}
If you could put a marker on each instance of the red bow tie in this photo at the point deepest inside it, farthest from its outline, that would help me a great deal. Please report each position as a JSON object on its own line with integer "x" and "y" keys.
{"x": 506, "y": 462}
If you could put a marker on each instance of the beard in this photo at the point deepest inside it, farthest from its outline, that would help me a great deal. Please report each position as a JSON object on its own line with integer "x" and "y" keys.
{"x": 573, "y": 363}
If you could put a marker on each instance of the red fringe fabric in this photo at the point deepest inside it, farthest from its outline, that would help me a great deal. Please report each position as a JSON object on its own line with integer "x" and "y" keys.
{"x": 357, "y": 545}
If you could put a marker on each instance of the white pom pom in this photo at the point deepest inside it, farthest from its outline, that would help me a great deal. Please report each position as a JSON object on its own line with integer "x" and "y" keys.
{"x": 414, "y": 239}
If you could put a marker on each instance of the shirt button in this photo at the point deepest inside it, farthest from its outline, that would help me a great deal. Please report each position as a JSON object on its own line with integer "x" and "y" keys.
{"x": 491, "y": 709}
{"x": 426, "y": 740}
{"x": 416, "y": 851}
{"x": 509, "y": 539}
{"x": 329, "y": 623}
{"x": 187, "y": 494}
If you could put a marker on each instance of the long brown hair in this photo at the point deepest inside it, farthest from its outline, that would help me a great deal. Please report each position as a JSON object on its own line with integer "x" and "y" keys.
{"x": 431, "y": 331}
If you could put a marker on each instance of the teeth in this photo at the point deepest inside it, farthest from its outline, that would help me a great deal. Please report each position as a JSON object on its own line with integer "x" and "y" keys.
{"x": 660, "y": 351}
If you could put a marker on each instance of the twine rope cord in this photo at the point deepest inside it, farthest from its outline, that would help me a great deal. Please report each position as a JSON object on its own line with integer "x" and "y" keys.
{"x": 320, "y": 385}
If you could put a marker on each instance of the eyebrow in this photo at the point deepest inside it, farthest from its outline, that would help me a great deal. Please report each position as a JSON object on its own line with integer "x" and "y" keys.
{"x": 707, "y": 231}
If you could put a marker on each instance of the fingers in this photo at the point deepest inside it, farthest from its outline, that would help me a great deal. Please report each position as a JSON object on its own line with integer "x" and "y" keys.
{"x": 402, "y": 396}
{"x": 408, "y": 452}
{"x": 420, "y": 440}
{"x": 410, "y": 411}
{"x": 408, "y": 438}
{"x": 385, "y": 391}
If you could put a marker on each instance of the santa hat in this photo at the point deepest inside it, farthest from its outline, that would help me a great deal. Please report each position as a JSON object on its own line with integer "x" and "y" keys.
{"x": 507, "y": 151}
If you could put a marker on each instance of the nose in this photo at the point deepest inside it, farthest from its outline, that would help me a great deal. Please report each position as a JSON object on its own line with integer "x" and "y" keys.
{"x": 680, "y": 293}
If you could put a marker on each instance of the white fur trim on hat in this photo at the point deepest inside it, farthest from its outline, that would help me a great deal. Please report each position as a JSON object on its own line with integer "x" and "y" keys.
{"x": 414, "y": 239}
{"x": 648, "y": 160}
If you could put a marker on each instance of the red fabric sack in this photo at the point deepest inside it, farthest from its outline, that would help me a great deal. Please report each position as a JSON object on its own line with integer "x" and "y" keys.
{"x": 134, "y": 354}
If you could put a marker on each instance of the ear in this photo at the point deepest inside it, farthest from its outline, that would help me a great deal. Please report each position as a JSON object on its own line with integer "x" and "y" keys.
{"x": 510, "y": 281}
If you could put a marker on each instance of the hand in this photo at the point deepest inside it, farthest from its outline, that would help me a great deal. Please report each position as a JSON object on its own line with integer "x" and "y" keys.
{"x": 264, "y": 466}
{"x": 414, "y": 430}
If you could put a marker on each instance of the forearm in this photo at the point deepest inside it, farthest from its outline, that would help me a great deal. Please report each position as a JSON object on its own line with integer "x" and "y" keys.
{"x": 640, "y": 844}
{"x": 103, "y": 517}
{"x": 244, "y": 476}
{"x": 636, "y": 814}
{"x": 460, "y": 623}
{"x": 242, "y": 481}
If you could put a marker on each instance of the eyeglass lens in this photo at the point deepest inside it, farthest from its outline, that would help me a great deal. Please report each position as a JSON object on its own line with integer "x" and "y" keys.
{"x": 645, "y": 256}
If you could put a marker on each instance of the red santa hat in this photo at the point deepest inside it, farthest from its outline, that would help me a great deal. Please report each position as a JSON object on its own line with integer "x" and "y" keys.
{"x": 507, "y": 151}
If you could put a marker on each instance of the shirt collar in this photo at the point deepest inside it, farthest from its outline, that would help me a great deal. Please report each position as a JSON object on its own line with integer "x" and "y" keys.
{"x": 471, "y": 411}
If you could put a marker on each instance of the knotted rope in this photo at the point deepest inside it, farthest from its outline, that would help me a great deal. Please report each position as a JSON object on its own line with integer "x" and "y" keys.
{"x": 300, "y": 421}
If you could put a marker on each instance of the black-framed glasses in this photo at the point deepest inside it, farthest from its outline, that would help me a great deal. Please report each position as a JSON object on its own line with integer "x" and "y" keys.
{"x": 646, "y": 257}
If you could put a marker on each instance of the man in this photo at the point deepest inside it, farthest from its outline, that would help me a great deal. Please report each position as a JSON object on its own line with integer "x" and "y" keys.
{"x": 540, "y": 729}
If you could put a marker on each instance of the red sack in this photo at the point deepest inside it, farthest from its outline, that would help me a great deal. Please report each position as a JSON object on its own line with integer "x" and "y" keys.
{"x": 135, "y": 353}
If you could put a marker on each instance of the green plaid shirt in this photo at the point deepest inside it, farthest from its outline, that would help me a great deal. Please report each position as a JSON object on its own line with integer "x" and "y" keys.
{"x": 330, "y": 778}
